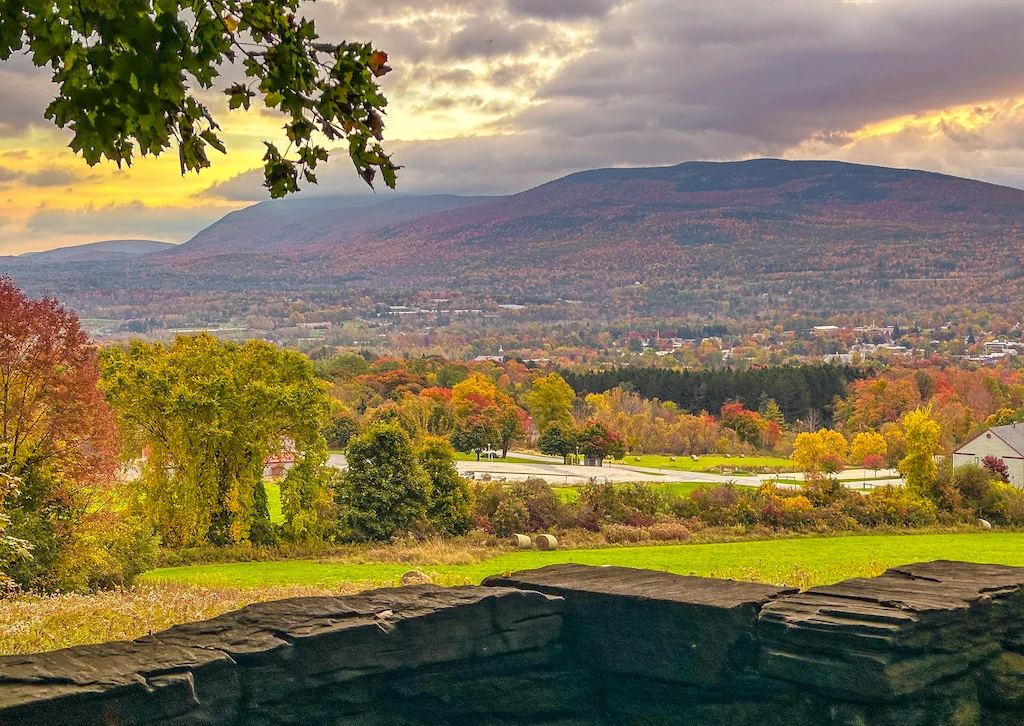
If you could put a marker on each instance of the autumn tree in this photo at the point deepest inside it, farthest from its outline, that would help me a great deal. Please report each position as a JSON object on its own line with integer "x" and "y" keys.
{"x": 450, "y": 505}
{"x": 819, "y": 452}
{"x": 996, "y": 467}
{"x": 205, "y": 415}
{"x": 384, "y": 492}
{"x": 133, "y": 78}
{"x": 867, "y": 445}
{"x": 550, "y": 400}
{"x": 57, "y": 453}
{"x": 597, "y": 441}
{"x": 485, "y": 416}
{"x": 921, "y": 433}
{"x": 558, "y": 440}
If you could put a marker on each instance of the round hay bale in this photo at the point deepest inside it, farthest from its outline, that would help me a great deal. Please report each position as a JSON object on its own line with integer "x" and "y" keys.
{"x": 984, "y": 524}
{"x": 522, "y": 541}
{"x": 416, "y": 577}
{"x": 545, "y": 542}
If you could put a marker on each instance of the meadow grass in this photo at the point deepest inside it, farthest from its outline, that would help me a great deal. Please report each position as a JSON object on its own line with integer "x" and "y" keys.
{"x": 273, "y": 490}
{"x": 510, "y": 459}
{"x": 803, "y": 562}
{"x": 682, "y": 489}
{"x": 704, "y": 463}
{"x": 34, "y": 623}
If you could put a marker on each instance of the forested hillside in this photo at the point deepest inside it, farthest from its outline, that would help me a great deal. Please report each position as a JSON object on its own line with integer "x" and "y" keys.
{"x": 799, "y": 391}
{"x": 733, "y": 239}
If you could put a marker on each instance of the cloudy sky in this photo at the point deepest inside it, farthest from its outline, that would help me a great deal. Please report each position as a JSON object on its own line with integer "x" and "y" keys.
{"x": 495, "y": 96}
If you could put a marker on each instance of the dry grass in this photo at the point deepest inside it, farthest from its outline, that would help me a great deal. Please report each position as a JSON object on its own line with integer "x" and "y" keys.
{"x": 33, "y": 623}
{"x": 429, "y": 553}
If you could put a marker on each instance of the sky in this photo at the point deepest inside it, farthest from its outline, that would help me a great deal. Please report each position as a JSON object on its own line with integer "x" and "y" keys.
{"x": 497, "y": 96}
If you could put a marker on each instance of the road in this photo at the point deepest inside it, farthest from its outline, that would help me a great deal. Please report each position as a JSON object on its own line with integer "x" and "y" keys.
{"x": 549, "y": 469}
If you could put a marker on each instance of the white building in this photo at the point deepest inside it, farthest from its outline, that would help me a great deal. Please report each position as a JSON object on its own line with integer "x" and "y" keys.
{"x": 1004, "y": 442}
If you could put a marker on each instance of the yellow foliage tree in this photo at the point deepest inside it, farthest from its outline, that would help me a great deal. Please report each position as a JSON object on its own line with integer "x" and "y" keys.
{"x": 866, "y": 445}
{"x": 813, "y": 453}
{"x": 922, "y": 434}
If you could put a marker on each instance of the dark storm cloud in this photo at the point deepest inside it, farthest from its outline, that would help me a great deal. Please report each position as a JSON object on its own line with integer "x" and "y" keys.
{"x": 561, "y": 9}
{"x": 649, "y": 82}
{"x": 490, "y": 38}
{"x": 783, "y": 71}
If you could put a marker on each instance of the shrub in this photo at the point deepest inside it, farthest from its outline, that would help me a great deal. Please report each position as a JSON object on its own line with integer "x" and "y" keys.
{"x": 997, "y": 467}
{"x": 637, "y": 505}
{"x": 624, "y": 534}
{"x": 670, "y": 532}
{"x": 510, "y": 517}
{"x": 900, "y": 507}
{"x": 975, "y": 487}
{"x": 544, "y": 508}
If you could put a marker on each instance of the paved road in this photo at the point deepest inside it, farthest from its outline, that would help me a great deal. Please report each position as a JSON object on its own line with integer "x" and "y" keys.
{"x": 556, "y": 473}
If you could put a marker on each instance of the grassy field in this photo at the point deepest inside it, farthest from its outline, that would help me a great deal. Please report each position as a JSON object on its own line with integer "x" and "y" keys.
{"x": 803, "y": 562}
{"x": 678, "y": 489}
{"x": 31, "y": 623}
{"x": 510, "y": 459}
{"x": 704, "y": 463}
{"x": 274, "y": 501}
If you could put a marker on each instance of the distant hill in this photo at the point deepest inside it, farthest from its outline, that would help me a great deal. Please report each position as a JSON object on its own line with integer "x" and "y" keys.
{"x": 98, "y": 251}
{"x": 734, "y": 238}
{"x": 275, "y": 226}
{"x": 834, "y": 235}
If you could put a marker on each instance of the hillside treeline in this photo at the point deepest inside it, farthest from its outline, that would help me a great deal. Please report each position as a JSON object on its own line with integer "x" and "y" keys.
{"x": 800, "y": 391}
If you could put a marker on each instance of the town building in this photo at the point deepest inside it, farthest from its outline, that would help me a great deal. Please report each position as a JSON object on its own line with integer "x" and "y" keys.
{"x": 1003, "y": 442}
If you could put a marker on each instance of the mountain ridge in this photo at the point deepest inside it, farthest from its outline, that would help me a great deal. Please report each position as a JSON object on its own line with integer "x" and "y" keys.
{"x": 705, "y": 238}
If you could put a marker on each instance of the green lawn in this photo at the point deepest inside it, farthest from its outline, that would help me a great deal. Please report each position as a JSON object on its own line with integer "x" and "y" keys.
{"x": 511, "y": 459}
{"x": 804, "y": 562}
{"x": 679, "y": 489}
{"x": 704, "y": 463}
{"x": 274, "y": 501}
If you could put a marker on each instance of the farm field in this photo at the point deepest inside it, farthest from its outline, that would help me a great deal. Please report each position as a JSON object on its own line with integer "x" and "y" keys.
{"x": 803, "y": 562}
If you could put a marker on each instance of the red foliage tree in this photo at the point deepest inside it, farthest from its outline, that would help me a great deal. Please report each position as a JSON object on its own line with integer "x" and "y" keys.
{"x": 996, "y": 467}
{"x": 56, "y": 441}
{"x": 52, "y": 414}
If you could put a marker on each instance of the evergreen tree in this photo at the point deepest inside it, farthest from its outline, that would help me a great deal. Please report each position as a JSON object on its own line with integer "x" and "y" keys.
{"x": 450, "y": 504}
{"x": 384, "y": 492}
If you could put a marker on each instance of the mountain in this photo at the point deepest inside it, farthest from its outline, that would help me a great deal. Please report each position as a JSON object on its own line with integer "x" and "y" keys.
{"x": 700, "y": 238}
{"x": 98, "y": 251}
{"x": 832, "y": 234}
{"x": 276, "y": 226}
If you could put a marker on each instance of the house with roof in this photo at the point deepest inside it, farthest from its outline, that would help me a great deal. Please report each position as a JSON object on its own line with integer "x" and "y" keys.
{"x": 1004, "y": 442}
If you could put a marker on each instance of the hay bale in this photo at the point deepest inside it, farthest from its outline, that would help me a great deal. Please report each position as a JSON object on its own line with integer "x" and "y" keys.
{"x": 416, "y": 577}
{"x": 545, "y": 542}
{"x": 522, "y": 541}
{"x": 984, "y": 524}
